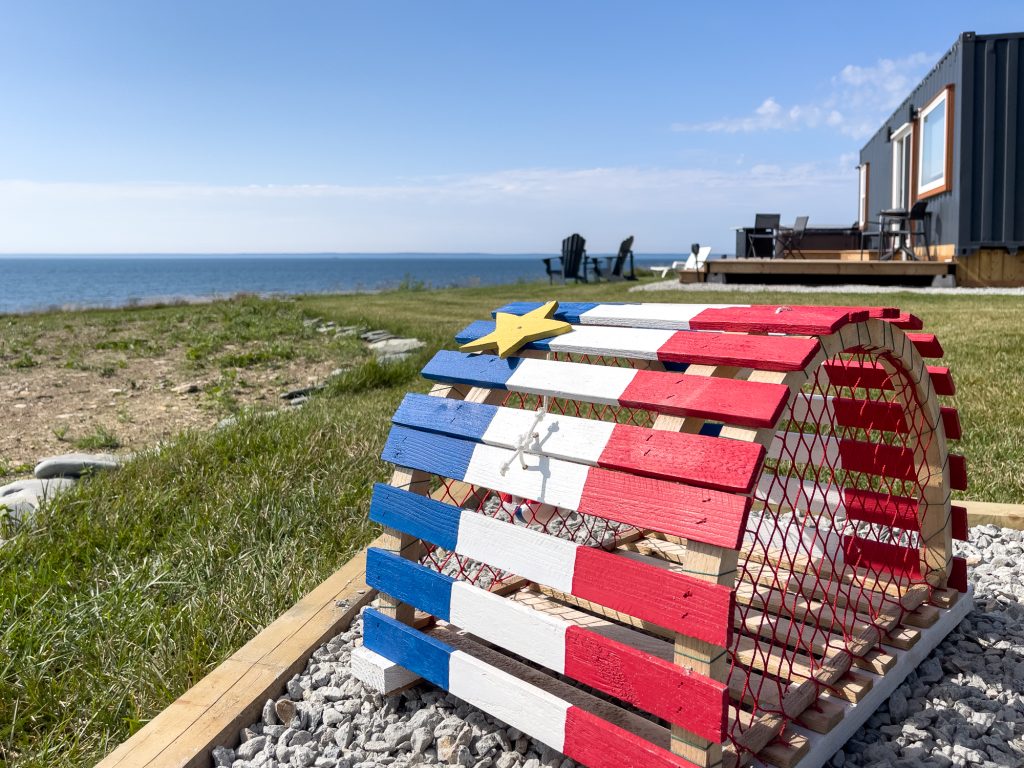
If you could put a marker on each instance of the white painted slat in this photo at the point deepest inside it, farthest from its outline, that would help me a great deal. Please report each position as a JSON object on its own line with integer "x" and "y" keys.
{"x": 665, "y": 316}
{"x": 816, "y": 408}
{"x": 804, "y": 448}
{"x": 548, "y": 480}
{"x": 642, "y": 344}
{"x": 507, "y": 698}
{"x": 513, "y": 626}
{"x": 799, "y": 494}
{"x": 531, "y": 554}
{"x": 565, "y": 437}
{"x": 575, "y": 381}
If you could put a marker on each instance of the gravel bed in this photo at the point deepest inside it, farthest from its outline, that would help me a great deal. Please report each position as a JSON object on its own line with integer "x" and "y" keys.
{"x": 964, "y": 706}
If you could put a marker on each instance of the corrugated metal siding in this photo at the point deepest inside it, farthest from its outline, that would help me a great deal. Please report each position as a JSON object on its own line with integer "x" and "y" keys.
{"x": 991, "y": 207}
{"x": 944, "y": 208}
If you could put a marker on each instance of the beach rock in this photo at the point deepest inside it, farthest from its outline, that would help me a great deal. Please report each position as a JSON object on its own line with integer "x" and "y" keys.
{"x": 22, "y": 498}
{"x": 187, "y": 389}
{"x": 372, "y": 336}
{"x": 397, "y": 358}
{"x": 223, "y": 757}
{"x": 291, "y": 394}
{"x": 395, "y": 346}
{"x": 75, "y": 464}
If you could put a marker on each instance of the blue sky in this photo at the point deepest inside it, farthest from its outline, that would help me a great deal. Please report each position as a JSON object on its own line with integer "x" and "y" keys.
{"x": 443, "y": 126}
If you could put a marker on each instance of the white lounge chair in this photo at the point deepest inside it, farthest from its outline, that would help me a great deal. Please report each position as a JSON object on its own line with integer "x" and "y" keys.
{"x": 693, "y": 263}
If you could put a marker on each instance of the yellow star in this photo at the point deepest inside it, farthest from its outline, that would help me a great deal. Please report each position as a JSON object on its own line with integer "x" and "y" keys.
{"x": 512, "y": 332}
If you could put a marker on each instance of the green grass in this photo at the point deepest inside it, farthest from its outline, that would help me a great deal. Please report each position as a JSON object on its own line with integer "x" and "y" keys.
{"x": 135, "y": 585}
{"x": 100, "y": 439}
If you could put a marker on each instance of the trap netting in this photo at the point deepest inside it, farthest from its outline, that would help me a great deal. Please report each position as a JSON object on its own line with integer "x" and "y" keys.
{"x": 693, "y": 532}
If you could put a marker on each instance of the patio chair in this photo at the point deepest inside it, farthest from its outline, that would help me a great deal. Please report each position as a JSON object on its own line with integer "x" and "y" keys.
{"x": 788, "y": 240}
{"x": 625, "y": 251}
{"x": 572, "y": 262}
{"x": 919, "y": 214}
{"x": 762, "y": 237}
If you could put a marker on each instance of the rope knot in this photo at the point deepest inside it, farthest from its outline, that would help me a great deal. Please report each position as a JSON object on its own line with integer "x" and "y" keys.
{"x": 530, "y": 436}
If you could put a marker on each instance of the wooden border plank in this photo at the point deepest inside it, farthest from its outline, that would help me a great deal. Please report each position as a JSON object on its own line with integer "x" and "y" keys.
{"x": 231, "y": 696}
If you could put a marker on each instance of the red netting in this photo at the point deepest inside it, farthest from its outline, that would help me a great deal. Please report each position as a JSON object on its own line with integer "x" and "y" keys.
{"x": 831, "y": 552}
{"x": 813, "y": 587}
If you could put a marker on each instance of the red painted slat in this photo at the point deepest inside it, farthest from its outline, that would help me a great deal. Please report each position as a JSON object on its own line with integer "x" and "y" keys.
{"x": 869, "y": 414}
{"x": 958, "y": 522}
{"x": 950, "y": 422}
{"x": 725, "y": 465}
{"x": 957, "y": 472}
{"x": 907, "y": 322}
{"x": 810, "y": 321}
{"x": 766, "y": 353}
{"x": 871, "y": 375}
{"x": 881, "y": 508}
{"x": 880, "y": 557}
{"x": 878, "y": 459}
{"x": 927, "y": 344}
{"x": 673, "y": 600}
{"x": 597, "y": 743}
{"x": 886, "y": 417}
{"x": 747, "y": 403}
{"x": 681, "y": 510}
{"x": 958, "y": 575}
{"x": 653, "y": 684}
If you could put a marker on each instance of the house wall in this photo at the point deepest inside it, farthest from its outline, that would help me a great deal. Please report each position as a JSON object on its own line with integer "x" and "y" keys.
{"x": 944, "y": 207}
{"x": 992, "y": 169}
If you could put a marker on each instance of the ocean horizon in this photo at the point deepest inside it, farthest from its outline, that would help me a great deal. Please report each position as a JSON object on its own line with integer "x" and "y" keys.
{"x": 38, "y": 282}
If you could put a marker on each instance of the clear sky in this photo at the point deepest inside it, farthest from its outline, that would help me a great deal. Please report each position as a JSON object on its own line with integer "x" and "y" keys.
{"x": 217, "y": 126}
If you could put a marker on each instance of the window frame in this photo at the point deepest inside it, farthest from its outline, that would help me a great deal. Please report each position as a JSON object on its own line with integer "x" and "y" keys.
{"x": 943, "y": 99}
{"x": 905, "y": 133}
{"x": 864, "y": 188}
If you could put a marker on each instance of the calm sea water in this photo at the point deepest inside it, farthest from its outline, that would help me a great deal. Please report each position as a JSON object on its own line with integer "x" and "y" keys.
{"x": 33, "y": 283}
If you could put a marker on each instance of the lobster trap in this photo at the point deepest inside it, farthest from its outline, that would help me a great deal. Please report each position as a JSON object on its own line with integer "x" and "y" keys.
{"x": 676, "y": 535}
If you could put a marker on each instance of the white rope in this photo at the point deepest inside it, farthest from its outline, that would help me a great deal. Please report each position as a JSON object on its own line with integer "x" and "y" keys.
{"x": 529, "y": 436}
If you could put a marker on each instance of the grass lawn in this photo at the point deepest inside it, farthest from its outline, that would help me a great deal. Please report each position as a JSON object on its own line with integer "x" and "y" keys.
{"x": 134, "y": 586}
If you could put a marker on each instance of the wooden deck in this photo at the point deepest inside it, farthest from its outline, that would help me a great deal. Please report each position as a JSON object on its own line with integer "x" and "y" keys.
{"x": 831, "y": 270}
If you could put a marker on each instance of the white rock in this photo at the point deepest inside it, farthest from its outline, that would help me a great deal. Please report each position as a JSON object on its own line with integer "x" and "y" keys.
{"x": 75, "y": 464}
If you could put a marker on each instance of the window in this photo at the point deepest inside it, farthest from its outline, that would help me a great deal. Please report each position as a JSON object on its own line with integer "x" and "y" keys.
{"x": 902, "y": 141}
{"x": 935, "y": 153}
{"x": 862, "y": 208}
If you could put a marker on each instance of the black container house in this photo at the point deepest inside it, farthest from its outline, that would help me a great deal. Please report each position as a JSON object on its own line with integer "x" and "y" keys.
{"x": 957, "y": 141}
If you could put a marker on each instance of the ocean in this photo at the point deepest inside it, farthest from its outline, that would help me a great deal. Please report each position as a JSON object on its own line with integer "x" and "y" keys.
{"x": 43, "y": 282}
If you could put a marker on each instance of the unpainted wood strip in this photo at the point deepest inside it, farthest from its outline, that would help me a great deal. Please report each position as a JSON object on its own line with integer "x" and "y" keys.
{"x": 230, "y": 697}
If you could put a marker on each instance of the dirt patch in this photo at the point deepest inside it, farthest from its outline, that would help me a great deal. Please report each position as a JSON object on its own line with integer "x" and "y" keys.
{"x": 107, "y": 382}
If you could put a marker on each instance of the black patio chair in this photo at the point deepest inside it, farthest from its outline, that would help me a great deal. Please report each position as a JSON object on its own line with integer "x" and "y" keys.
{"x": 920, "y": 215}
{"x": 572, "y": 262}
{"x": 761, "y": 238}
{"x": 788, "y": 240}
{"x": 625, "y": 251}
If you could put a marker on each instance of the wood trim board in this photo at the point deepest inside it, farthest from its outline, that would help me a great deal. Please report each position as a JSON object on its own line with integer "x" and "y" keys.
{"x": 231, "y": 696}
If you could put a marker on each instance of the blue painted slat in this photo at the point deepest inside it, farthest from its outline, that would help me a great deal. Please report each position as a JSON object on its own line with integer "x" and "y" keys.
{"x": 409, "y": 582}
{"x": 568, "y": 311}
{"x": 441, "y": 414}
{"x": 476, "y": 370}
{"x": 407, "y": 647}
{"x": 437, "y": 454}
{"x": 418, "y": 516}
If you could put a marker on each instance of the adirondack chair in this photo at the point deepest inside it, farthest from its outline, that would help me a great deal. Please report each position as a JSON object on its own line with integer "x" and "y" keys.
{"x": 625, "y": 251}
{"x": 721, "y": 554}
{"x": 573, "y": 261}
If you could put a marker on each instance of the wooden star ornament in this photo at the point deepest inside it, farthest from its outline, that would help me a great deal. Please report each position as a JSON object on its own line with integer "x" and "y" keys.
{"x": 512, "y": 332}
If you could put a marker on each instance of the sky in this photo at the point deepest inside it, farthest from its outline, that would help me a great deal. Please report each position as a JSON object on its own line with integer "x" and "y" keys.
{"x": 140, "y": 126}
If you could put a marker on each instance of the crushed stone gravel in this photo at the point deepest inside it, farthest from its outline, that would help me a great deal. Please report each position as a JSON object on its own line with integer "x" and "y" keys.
{"x": 964, "y": 706}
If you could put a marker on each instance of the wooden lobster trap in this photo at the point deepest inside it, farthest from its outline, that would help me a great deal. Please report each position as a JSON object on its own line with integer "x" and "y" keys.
{"x": 674, "y": 535}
